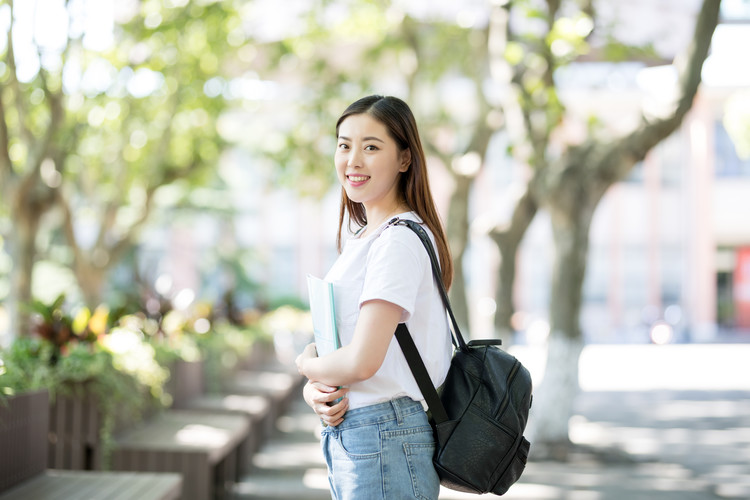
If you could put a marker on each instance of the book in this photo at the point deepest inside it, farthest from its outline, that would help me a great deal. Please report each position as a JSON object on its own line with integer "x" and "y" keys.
{"x": 323, "y": 312}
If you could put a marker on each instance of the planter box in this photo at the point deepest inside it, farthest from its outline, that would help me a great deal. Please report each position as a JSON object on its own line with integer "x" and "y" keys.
{"x": 23, "y": 420}
{"x": 186, "y": 381}
{"x": 75, "y": 420}
{"x": 74, "y": 425}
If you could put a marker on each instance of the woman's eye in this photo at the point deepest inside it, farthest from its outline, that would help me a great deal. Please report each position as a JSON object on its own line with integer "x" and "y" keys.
{"x": 371, "y": 148}
{"x": 343, "y": 146}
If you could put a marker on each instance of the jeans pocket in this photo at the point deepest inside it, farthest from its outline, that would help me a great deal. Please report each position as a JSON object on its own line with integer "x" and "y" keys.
{"x": 360, "y": 442}
{"x": 424, "y": 478}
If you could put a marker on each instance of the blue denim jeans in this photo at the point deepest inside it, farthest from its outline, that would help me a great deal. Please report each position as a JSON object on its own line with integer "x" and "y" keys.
{"x": 382, "y": 451}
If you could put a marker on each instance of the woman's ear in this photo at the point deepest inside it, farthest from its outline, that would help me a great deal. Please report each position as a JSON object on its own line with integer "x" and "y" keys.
{"x": 405, "y": 160}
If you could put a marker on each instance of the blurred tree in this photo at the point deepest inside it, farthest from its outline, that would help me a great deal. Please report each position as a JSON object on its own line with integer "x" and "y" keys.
{"x": 96, "y": 125}
{"x": 32, "y": 115}
{"x": 443, "y": 52}
{"x": 350, "y": 49}
{"x": 570, "y": 184}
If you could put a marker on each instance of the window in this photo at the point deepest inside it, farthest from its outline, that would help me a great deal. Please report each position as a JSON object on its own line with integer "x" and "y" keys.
{"x": 728, "y": 164}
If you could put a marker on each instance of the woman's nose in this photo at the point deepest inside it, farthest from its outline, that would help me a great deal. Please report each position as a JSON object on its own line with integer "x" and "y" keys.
{"x": 355, "y": 158}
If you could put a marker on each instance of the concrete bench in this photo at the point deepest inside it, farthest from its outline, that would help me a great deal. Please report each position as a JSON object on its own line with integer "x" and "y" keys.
{"x": 257, "y": 411}
{"x": 272, "y": 381}
{"x": 204, "y": 447}
{"x": 89, "y": 485}
{"x": 24, "y": 424}
{"x": 259, "y": 392}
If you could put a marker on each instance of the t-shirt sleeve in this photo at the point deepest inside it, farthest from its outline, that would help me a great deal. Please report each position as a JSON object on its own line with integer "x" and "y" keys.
{"x": 395, "y": 269}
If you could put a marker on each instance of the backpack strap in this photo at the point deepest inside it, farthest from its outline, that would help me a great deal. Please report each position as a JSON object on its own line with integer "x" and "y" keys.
{"x": 456, "y": 337}
{"x": 418, "y": 369}
{"x": 405, "y": 340}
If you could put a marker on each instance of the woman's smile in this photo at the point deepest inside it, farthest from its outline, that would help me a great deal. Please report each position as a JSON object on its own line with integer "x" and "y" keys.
{"x": 357, "y": 180}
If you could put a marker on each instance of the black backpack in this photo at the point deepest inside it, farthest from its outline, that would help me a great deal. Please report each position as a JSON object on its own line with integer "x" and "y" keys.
{"x": 481, "y": 413}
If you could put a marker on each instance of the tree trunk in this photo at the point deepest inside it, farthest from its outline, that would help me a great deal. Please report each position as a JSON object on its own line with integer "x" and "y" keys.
{"x": 554, "y": 398}
{"x": 571, "y": 221}
{"x": 23, "y": 255}
{"x": 90, "y": 278}
{"x": 572, "y": 194}
{"x": 457, "y": 228}
{"x": 508, "y": 239}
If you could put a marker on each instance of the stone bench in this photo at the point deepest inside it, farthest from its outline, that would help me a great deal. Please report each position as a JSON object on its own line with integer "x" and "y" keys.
{"x": 89, "y": 485}
{"x": 274, "y": 382}
{"x": 260, "y": 393}
{"x": 24, "y": 424}
{"x": 206, "y": 448}
{"x": 209, "y": 437}
{"x": 257, "y": 411}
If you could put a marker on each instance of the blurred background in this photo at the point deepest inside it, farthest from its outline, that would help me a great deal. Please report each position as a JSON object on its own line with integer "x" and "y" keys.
{"x": 590, "y": 159}
{"x": 189, "y": 144}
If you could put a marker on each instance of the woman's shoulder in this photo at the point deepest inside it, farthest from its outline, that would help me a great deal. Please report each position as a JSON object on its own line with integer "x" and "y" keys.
{"x": 396, "y": 235}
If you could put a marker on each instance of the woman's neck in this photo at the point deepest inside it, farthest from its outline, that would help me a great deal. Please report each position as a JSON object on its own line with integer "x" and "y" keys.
{"x": 376, "y": 217}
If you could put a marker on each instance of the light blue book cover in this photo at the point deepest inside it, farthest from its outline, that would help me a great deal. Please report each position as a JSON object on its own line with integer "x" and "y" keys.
{"x": 323, "y": 313}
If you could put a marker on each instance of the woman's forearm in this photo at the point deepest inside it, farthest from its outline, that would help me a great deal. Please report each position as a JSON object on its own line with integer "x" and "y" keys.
{"x": 338, "y": 368}
{"x": 362, "y": 358}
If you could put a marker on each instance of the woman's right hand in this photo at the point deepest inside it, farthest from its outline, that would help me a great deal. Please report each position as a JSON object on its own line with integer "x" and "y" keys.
{"x": 318, "y": 395}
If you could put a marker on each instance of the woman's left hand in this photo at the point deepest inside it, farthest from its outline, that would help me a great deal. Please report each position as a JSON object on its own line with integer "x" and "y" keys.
{"x": 307, "y": 353}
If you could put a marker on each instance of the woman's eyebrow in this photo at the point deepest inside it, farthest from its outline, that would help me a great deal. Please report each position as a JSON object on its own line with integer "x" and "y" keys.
{"x": 368, "y": 138}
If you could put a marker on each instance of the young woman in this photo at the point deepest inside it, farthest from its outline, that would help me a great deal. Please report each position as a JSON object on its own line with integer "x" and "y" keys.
{"x": 377, "y": 440}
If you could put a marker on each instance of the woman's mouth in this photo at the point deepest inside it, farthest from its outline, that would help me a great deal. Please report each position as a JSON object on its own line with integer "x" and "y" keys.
{"x": 357, "y": 180}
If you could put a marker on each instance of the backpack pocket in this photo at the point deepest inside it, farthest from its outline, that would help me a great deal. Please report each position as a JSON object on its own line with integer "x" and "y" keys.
{"x": 477, "y": 448}
{"x": 514, "y": 469}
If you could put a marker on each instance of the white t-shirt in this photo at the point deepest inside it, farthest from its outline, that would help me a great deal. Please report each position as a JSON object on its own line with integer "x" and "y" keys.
{"x": 391, "y": 264}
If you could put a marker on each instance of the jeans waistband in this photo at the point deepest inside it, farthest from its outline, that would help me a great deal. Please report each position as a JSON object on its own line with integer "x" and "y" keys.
{"x": 395, "y": 409}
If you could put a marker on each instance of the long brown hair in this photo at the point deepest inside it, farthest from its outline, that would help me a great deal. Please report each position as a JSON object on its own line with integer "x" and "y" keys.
{"x": 413, "y": 186}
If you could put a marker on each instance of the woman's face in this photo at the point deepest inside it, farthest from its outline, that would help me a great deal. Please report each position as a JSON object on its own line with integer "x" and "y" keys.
{"x": 369, "y": 162}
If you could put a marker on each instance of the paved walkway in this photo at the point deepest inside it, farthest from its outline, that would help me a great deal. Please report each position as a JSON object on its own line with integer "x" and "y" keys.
{"x": 663, "y": 443}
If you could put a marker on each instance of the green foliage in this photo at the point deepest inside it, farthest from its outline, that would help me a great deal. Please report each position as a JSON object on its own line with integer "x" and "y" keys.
{"x": 162, "y": 125}
{"x": 21, "y": 369}
{"x": 52, "y": 323}
{"x": 126, "y": 120}
{"x": 616, "y": 51}
{"x": 124, "y": 380}
{"x": 155, "y": 114}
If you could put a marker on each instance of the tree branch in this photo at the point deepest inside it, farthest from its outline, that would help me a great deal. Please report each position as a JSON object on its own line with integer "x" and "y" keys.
{"x": 523, "y": 106}
{"x": 689, "y": 66}
{"x": 55, "y": 98}
{"x": 508, "y": 238}
{"x": 15, "y": 85}
{"x": 68, "y": 228}
{"x": 6, "y": 165}
{"x": 409, "y": 34}
{"x": 482, "y": 131}
{"x": 121, "y": 246}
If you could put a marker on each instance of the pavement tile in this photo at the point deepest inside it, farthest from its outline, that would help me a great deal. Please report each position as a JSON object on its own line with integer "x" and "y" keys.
{"x": 664, "y": 444}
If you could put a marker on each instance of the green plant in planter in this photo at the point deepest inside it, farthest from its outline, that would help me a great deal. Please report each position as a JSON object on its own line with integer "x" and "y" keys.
{"x": 121, "y": 372}
{"x": 20, "y": 367}
{"x": 53, "y": 324}
{"x": 170, "y": 343}
{"x": 76, "y": 354}
{"x": 166, "y": 335}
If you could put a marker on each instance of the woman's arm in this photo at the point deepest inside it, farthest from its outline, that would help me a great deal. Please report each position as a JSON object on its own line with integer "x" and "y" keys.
{"x": 360, "y": 359}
